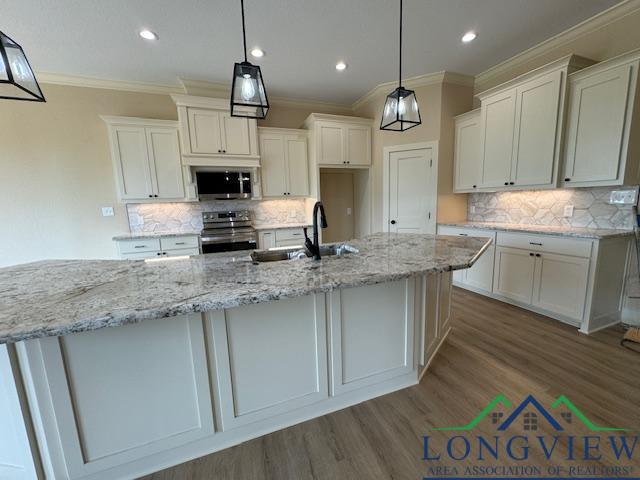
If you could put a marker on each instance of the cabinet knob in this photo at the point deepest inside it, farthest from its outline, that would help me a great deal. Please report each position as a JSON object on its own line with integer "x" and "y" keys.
{"x": 506, "y": 183}
{"x": 393, "y": 222}
{"x": 530, "y": 254}
{"x": 538, "y": 255}
{"x": 512, "y": 183}
{"x": 159, "y": 253}
{"x": 475, "y": 186}
{"x": 567, "y": 179}
{"x": 150, "y": 196}
{"x": 224, "y": 151}
{"x": 156, "y": 196}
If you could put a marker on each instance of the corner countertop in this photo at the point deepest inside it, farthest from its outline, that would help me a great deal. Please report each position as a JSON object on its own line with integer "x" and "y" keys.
{"x": 580, "y": 232}
{"x": 281, "y": 226}
{"x": 59, "y": 297}
{"x": 140, "y": 235}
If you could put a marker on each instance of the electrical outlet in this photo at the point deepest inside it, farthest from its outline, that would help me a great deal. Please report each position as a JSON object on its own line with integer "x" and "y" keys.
{"x": 568, "y": 211}
{"x": 623, "y": 197}
{"x": 472, "y": 209}
{"x": 292, "y": 214}
{"x": 349, "y": 211}
{"x": 107, "y": 211}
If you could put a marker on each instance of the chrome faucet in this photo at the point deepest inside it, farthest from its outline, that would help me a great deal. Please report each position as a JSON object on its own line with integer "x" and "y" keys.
{"x": 313, "y": 248}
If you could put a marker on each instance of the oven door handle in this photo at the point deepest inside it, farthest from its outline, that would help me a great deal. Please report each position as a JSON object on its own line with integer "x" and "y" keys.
{"x": 228, "y": 239}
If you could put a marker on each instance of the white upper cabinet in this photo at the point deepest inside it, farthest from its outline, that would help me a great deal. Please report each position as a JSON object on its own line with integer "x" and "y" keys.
{"x": 521, "y": 127}
{"x": 340, "y": 140}
{"x": 468, "y": 160}
{"x": 146, "y": 158}
{"x": 602, "y": 138}
{"x": 536, "y": 141}
{"x": 212, "y": 137}
{"x": 498, "y": 125}
{"x": 285, "y": 164}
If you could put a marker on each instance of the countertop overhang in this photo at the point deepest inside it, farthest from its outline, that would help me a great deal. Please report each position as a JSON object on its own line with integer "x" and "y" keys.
{"x": 59, "y": 297}
{"x": 558, "y": 230}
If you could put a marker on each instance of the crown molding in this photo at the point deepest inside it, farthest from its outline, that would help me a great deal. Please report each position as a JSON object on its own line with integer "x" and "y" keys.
{"x": 121, "y": 85}
{"x": 415, "y": 82}
{"x": 612, "y": 14}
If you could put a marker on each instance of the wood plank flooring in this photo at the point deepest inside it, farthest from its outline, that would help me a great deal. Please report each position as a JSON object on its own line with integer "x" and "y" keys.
{"x": 493, "y": 348}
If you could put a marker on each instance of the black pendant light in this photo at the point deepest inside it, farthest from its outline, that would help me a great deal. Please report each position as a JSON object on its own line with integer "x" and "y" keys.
{"x": 248, "y": 96}
{"x": 17, "y": 81}
{"x": 401, "y": 108}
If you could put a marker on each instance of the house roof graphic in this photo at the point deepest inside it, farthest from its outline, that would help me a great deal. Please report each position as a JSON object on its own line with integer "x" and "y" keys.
{"x": 530, "y": 401}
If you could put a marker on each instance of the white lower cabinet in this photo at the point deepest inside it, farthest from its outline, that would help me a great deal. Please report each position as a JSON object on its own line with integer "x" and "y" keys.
{"x": 560, "y": 284}
{"x": 269, "y": 358}
{"x": 576, "y": 280}
{"x": 124, "y": 402}
{"x": 513, "y": 276}
{"x": 373, "y": 343}
{"x": 279, "y": 238}
{"x": 158, "y": 247}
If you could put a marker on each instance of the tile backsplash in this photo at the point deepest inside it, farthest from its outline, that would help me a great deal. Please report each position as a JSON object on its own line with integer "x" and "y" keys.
{"x": 546, "y": 207}
{"x": 186, "y": 217}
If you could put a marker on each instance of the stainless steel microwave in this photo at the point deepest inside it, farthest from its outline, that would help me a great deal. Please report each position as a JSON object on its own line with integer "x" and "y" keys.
{"x": 223, "y": 185}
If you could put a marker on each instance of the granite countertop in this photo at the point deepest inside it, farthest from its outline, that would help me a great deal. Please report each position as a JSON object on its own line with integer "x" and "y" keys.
{"x": 58, "y": 297}
{"x": 579, "y": 232}
{"x": 139, "y": 235}
{"x": 280, "y": 226}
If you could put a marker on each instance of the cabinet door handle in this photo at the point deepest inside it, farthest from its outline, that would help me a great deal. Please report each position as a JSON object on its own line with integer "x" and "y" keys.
{"x": 139, "y": 246}
{"x": 567, "y": 179}
{"x": 535, "y": 243}
{"x": 180, "y": 243}
{"x": 512, "y": 183}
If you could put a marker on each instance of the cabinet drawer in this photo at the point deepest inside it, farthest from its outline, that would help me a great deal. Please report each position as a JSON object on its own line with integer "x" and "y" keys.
{"x": 138, "y": 246}
{"x": 173, "y": 243}
{"x": 467, "y": 232}
{"x": 299, "y": 242}
{"x": 290, "y": 234}
{"x": 546, "y": 243}
{"x": 182, "y": 252}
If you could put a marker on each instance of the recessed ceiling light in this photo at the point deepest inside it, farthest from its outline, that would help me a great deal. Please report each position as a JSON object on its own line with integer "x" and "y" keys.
{"x": 148, "y": 34}
{"x": 257, "y": 52}
{"x": 340, "y": 66}
{"x": 469, "y": 37}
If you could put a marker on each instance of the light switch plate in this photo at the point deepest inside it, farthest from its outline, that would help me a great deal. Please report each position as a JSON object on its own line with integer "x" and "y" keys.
{"x": 107, "y": 211}
{"x": 568, "y": 210}
{"x": 623, "y": 197}
{"x": 348, "y": 210}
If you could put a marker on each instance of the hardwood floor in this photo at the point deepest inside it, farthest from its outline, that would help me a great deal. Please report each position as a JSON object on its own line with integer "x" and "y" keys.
{"x": 493, "y": 349}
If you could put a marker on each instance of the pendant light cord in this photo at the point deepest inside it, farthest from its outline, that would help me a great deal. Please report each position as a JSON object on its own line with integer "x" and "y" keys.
{"x": 244, "y": 32}
{"x": 400, "y": 56}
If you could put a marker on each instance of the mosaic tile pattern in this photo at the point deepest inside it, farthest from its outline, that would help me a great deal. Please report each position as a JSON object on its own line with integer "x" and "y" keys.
{"x": 187, "y": 217}
{"x": 546, "y": 207}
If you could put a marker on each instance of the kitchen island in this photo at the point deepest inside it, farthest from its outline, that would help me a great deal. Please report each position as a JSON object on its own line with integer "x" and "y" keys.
{"x": 212, "y": 350}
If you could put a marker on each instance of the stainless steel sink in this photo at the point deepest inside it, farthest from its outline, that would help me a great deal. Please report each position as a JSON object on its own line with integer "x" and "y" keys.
{"x": 339, "y": 249}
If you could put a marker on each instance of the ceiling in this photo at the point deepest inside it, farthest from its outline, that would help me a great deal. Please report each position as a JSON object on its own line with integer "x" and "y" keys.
{"x": 303, "y": 39}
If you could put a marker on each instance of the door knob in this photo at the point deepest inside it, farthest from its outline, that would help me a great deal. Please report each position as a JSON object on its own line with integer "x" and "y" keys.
{"x": 393, "y": 222}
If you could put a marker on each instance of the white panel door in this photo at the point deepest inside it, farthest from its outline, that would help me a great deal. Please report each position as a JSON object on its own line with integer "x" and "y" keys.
{"x": 166, "y": 166}
{"x": 560, "y": 284}
{"x": 358, "y": 145}
{"x": 597, "y": 112}
{"x": 514, "y": 271}
{"x": 204, "y": 131}
{"x": 412, "y": 200}
{"x": 111, "y": 391}
{"x": 535, "y": 145}
{"x": 236, "y": 139}
{"x": 297, "y": 166}
{"x": 269, "y": 358}
{"x": 498, "y": 124}
{"x": 468, "y": 154}
{"x": 373, "y": 344}
{"x": 273, "y": 171}
{"x": 132, "y": 159}
{"x": 331, "y": 145}
{"x": 16, "y": 462}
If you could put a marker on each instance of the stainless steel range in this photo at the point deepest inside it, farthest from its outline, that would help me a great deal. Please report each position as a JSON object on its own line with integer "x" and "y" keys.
{"x": 226, "y": 231}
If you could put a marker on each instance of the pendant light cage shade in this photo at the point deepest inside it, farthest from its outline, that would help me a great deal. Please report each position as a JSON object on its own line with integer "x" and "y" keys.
{"x": 248, "y": 96}
{"x": 17, "y": 81}
{"x": 401, "y": 111}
